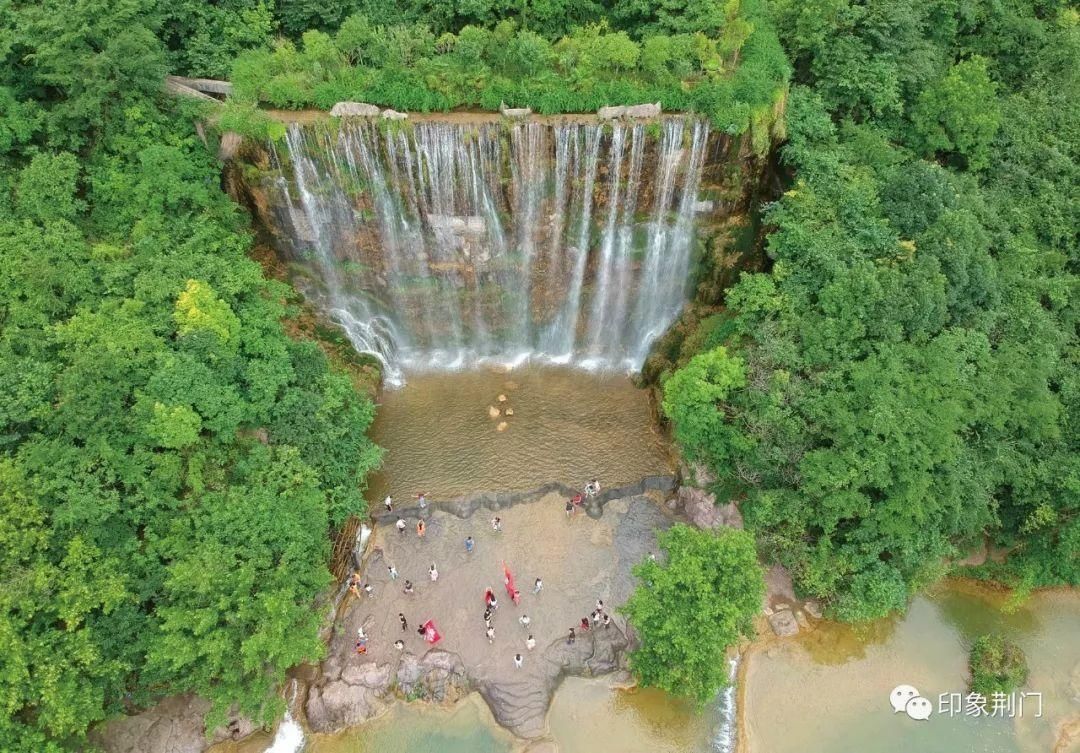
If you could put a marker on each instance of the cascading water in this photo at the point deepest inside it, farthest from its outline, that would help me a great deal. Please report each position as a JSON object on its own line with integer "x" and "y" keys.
{"x": 438, "y": 245}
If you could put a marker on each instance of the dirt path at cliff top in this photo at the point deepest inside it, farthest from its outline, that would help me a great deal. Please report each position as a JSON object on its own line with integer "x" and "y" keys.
{"x": 580, "y": 560}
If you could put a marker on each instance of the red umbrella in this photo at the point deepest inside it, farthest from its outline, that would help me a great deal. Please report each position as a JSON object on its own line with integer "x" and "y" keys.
{"x": 431, "y": 633}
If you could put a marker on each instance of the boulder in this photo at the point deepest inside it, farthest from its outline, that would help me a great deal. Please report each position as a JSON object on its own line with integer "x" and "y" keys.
{"x": 501, "y": 398}
{"x": 700, "y": 508}
{"x": 800, "y": 618}
{"x": 503, "y": 426}
{"x": 508, "y": 412}
{"x": 338, "y": 705}
{"x": 493, "y": 412}
{"x": 813, "y": 609}
{"x": 610, "y": 113}
{"x": 354, "y": 110}
{"x": 643, "y": 111}
{"x": 389, "y": 114}
{"x": 730, "y": 515}
{"x": 783, "y": 623}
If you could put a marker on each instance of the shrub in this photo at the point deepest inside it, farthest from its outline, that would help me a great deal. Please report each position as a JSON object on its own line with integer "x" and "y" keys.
{"x": 997, "y": 665}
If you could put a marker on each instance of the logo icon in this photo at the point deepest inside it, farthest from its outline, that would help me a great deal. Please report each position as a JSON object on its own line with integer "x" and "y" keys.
{"x": 906, "y": 698}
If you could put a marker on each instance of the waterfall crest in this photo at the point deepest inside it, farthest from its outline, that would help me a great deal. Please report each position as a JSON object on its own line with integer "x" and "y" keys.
{"x": 439, "y": 245}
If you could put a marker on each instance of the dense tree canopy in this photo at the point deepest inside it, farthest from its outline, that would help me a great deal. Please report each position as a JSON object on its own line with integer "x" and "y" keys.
{"x": 170, "y": 462}
{"x": 691, "y": 608}
{"x": 911, "y": 359}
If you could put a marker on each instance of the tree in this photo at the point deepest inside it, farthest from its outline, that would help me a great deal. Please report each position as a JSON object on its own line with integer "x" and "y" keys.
{"x": 959, "y": 113}
{"x": 690, "y": 609}
{"x": 694, "y": 400}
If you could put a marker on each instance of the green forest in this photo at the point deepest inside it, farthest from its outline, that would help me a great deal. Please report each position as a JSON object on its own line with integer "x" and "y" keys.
{"x": 899, "y": 385}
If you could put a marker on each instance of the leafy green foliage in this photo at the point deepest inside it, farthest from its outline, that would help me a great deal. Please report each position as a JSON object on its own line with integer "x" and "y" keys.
{"x": 997, "y": 665}
{"x": 960, "y": 113}
{"x": 729, "y": 67}
{"x": 910, "y": 360}
{"x": 690, "y": 609}
{"x": 163, "y": 510}
{"x": 694, "y": 400}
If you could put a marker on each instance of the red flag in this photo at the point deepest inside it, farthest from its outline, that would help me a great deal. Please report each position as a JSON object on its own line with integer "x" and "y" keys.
{"x": 508, "y": 581}
{"x": 431, "y": 633}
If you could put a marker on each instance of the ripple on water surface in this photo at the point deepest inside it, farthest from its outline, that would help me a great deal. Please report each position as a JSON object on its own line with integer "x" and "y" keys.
{"x": 567, "y": 425}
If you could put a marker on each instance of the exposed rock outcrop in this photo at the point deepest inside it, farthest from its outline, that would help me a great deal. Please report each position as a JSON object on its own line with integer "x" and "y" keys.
{"x": 610, "y": 113}
{"x": 389, "y": 114}
{"x": 699, "y": 506}
{"x": 355, "y": 110}
{"x": 652, "y": 110}
{"x": 175, "y": 725}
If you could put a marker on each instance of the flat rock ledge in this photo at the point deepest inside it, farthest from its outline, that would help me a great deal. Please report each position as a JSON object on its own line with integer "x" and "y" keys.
{"x": 349, "y": 696}
{"x": 466, "y": 506}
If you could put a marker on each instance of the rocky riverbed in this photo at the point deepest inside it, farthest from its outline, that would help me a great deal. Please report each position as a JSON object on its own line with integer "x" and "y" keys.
{"x": 580, "y": 559}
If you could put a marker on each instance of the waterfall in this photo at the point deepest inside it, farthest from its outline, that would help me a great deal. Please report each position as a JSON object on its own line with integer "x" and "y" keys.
{"x": 440, "y": 245}
{"x": 727, "y": 739}
{"x": 290, "y": 735}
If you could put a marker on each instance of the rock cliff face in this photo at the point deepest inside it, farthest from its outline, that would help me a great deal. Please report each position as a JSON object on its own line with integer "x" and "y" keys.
{"x": 443, "y": 242}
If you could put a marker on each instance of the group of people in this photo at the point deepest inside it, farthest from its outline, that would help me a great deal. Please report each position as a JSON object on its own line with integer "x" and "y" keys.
{"x": 491, "y": 604}
{"x": 574, "y": 503}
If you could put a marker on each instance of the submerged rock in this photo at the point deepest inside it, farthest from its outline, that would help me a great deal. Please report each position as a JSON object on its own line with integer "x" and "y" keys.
{"x": 783, "y": 623}
{"x": 503, "y": 426}
{"x": 394, "y": 115}
{"x": 508, "y": 412}
{"x": 493, "y": 412}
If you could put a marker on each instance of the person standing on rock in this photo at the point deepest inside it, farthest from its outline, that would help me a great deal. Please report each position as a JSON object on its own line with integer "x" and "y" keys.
{"x": 530, "y": 643}
{"x": 399, "y": 644}
{"x": 393, "y": 572}
{"x": 569, "y": 639}
{"x": 584, "y": 623}
{"x": 420, "y": 528}
{"x": 569, "y": 508}
{"x": 408, "y": 587}
{"x": 592, "y": 488}
{"x": 433, "y": 572}
{"x": 607, "y": 620}
{"x": 400, "y": 525}
{"x": 404, "y": 622}
{"x": 468, "y": 545}
{"x": 599, "y": 605}
{"x": 538, "y": 586}
{"x": 354, "y": 583}
{"x": 368, "y": 589}
{"x": 524, "y": 620}
{"x": 596, "y": 617}
{"x": 517, "y": 661}
{"x": 388, "y": 503}
{"x": 487, "y": 616}
{"x": 496, "y": 524}
{"x": 490, "y": 633}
